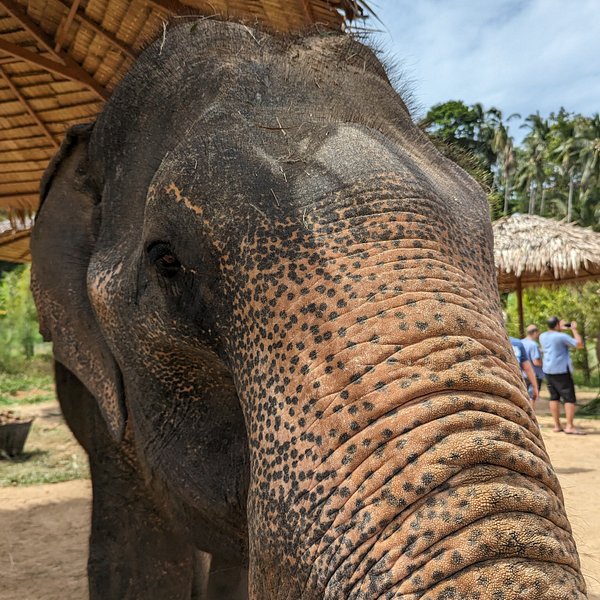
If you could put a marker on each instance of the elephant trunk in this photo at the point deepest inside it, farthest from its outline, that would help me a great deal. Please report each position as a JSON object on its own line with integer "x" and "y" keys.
{"x": 407, "y": 490}
{"x": 423, "y": 475}
{"x": 394, "y": 451}
{"x": 443, "y": 494}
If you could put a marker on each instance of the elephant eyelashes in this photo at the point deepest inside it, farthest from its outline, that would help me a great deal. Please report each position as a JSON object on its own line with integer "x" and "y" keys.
{"x": 164, "y": 259}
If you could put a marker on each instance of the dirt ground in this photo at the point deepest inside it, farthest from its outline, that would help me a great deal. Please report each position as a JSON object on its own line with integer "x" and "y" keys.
{"x": 44, "y": 528}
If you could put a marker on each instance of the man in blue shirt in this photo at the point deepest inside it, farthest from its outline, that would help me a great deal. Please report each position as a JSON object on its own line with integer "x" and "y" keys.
{"x": 525, "y": 365}
{"x": 558, "y": 370}
{"x": 533, "y": 353}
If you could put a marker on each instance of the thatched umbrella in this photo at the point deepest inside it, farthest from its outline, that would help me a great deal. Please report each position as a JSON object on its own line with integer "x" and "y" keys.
{"x": 532, "y": 251}
{"x": 61, "y": 59}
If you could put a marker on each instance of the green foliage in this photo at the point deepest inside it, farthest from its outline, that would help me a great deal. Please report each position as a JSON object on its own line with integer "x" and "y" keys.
{"x": 18, "y": 319}
{"x": 558, "y": 168}
{"x": 581, "y": 304}
{"x": 36, "y": 378}
{"x": 478, "y": 141}
{"x": 470, "y": 128}
{"x": 554, "y": 173}
{"x": 35, "y": 398}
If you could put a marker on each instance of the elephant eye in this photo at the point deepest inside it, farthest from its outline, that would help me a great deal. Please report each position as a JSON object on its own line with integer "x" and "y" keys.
{"x": 164, "y": 259}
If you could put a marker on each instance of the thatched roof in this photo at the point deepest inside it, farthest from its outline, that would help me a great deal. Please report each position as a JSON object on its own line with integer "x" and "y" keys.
{"x": 61, "y": 59}
{"x": 543, "y": 251}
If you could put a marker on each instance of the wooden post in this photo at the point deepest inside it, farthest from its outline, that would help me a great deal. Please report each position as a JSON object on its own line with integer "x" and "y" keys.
{"x": 520, "y": 308}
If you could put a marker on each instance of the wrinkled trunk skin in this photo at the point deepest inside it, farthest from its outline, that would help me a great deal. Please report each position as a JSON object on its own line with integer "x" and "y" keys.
{"x": 394, "y": 452}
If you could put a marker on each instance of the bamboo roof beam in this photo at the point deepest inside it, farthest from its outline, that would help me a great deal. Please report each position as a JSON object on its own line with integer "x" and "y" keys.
{"x": 19, "y": 201}
{"x": 28, "y": 108}
{"x": 62, "y": 33}
{"x": 14, "y": 10}
{"x": 74, "y": 71}
{"x": 308, "y": 12}
{"x": 169, "y": 6}
{"x": 83, "y": 18}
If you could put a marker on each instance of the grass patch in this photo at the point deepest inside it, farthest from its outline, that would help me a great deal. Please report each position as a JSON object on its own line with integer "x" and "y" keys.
{"x": 11, "y": 383}
{"x": 41, "y": 467}
{"x": 26, "y": 388}
{"x": 51, "y": 455}
{"x": 33, "y": 398}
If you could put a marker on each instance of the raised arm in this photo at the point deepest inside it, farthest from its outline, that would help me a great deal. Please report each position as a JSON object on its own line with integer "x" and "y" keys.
{"x": 576, "y": 335}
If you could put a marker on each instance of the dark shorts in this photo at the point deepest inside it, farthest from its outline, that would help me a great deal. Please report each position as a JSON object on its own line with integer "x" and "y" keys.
{"x": 530, "y": 388}
{"x": 561, "y": 386}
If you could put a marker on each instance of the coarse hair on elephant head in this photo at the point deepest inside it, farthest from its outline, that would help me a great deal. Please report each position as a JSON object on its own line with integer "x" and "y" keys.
{"x": 284, "y": 297}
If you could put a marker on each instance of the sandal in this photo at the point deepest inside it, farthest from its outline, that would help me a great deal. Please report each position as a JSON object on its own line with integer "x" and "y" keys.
{"x": 575, "y": 432}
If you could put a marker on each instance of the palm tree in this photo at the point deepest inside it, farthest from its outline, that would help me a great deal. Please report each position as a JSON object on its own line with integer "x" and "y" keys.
{"x": 566, "y": 153}
{"x": 532, "y": 172}
{"x": 587, "y": 144}
{"x": 503, "y": 146}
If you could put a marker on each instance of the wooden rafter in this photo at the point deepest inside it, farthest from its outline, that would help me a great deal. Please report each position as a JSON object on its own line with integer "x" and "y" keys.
{"x": 5, "y": 240}
{"x": 19, "y": 202}
{"x": 73, "y": 72}
{"x": 28, "y": 108}
{"x": 308, "y": 12}
{"x": 83, "y": 18}
{"x": 71, "y": 69}
{"x": 169, "y": 6}
{"x": 62, "y": 33}
{"x": 20, "y": 197}
{"x": 16, "y": 11}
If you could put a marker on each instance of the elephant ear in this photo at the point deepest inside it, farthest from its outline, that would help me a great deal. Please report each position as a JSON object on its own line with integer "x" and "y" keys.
{"x": 62, "y": 243}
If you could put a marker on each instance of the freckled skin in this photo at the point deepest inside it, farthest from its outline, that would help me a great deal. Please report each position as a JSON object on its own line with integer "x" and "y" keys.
{"x": 283, "y": 301}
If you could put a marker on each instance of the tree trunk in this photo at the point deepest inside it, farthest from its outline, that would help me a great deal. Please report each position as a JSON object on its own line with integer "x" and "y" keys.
{"x": 570, "y": 200}
{"x": 532, "y": 189}
{"x": 506, "y": 193}
{"x": 519, "y": 291}
{"x": 28, "y": 347}
{"x": 543, "y": 203}
{"x": 585, "y": 362}
{"x": 598, "y": 354}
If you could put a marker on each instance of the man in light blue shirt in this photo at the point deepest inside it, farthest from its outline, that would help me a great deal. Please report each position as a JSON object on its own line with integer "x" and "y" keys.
{"x": 535, "y": 356}
{"x": 558, "y": 370}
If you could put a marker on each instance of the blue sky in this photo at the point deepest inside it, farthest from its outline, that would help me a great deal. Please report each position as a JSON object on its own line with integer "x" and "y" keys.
{"x": 518, "y": 55}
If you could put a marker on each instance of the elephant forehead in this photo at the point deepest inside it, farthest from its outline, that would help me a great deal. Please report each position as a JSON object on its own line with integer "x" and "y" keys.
{"x": 247, "y": 167}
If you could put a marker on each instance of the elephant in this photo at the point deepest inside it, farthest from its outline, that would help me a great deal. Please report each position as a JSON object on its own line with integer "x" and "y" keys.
{"x": 278, "y": 336}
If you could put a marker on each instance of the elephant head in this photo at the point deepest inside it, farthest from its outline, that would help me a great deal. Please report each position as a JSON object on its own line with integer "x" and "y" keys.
{"x": 270, "y": 279}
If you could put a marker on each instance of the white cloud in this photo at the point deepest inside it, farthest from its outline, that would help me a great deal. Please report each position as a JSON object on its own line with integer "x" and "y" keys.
{"x": 519, "y": 55}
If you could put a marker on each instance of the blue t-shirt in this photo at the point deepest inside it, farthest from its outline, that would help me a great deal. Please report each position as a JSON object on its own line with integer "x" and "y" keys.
{"x": 533, "y": 353}
{"x": 555, "y": 346}
{"x": 519, "y": 350}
